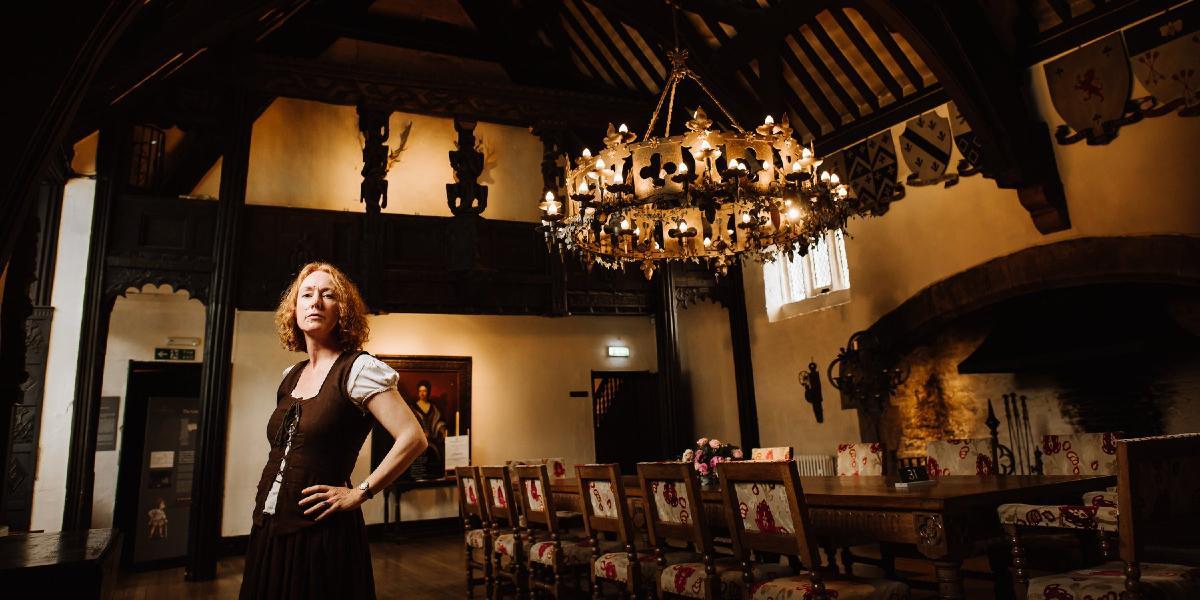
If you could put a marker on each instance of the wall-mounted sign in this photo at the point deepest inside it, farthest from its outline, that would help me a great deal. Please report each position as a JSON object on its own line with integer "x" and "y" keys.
{"x": 106, "y": 431}
{"x": 618, "y": 351}
{"x": 174, "y": 354}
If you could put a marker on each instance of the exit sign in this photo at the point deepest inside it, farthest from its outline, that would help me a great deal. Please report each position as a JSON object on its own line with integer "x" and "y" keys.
{"x": 174, "y": 354}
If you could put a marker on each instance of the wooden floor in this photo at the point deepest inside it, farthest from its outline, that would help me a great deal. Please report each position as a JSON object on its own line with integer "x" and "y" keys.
{"x": 420, "y": 569}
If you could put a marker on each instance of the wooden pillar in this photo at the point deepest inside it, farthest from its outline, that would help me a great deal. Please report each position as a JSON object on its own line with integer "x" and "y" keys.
{"x": 743, "y": 365}
{"x": 675, "y": 411}
{"x": 208, "y": 480}
{"x": 30, "y": 347}
{"x": 112, "y": 158}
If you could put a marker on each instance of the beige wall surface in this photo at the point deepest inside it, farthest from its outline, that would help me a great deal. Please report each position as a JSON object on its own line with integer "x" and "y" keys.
{"x": 140, "y": 323}
{"x": 307, "y": 154}
{"x": 706, "y": 364}
{"x": 54, "y": 440}
{"x": 1144, "y": 182}
{"x": 523, "y": 369}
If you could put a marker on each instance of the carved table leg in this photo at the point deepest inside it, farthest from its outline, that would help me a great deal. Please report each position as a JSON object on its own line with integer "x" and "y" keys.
{"x": 949, "y": 577}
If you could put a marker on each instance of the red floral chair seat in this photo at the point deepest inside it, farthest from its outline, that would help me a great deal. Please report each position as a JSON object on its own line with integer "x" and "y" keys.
{"x": 505, "y": 548}
{"x": 1159, "y": 581}
{"x": 574, "y": 552}
{"x": 1106, "y": 498}
{"x": 799, "y": 587}
{"x": 475, "y": 538}
{"x": 614, "y": 566}
{"x": 688, "y": 579}
{"x": 1090, "y": 517}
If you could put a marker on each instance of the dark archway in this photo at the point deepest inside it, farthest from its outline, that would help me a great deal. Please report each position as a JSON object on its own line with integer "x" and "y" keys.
{"x": 1155, "y": 259}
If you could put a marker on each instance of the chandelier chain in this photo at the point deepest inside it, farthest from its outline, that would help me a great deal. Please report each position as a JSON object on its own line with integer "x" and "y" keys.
{"x": 670, "y": 109}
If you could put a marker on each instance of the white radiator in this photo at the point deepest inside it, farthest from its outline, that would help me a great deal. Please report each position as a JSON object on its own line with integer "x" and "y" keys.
{"x": 816, "y": 464}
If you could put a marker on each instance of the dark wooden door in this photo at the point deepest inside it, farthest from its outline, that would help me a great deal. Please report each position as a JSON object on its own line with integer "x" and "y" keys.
{"x": 626, "y": 418}
{"x": 158, "y": 443}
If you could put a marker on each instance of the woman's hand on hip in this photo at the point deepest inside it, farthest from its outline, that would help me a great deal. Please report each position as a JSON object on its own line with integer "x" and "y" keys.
{"x": 327, "y": 499}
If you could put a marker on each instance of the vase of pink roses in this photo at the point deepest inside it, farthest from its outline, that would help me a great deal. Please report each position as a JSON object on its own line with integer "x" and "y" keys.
{"x": 707, "y": 455}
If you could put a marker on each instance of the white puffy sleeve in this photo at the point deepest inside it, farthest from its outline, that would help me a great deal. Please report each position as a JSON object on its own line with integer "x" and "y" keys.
{"x": 368, "y": 377}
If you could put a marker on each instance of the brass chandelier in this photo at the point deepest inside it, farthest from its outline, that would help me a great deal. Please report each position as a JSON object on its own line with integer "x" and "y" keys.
{"x": 705, "y": 195}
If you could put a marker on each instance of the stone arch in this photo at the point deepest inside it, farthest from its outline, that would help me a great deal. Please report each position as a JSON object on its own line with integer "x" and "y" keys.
{"x": 1154, "y": 259}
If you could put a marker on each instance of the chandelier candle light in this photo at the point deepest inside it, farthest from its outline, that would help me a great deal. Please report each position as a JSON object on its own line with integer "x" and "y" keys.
{"x": 703, "y": 195}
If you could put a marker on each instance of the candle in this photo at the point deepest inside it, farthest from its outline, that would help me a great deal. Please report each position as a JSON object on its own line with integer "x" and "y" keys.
{"x": 456, "y": 422}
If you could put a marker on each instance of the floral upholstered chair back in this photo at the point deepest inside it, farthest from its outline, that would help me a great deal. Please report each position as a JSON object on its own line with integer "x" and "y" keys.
{"x": 469, "y": 500}
{"x": 1080, "y": 454}
{"x": 960, "y": 457}
{"x": 498, "y": 495}
{"x": 774, "y": 453}
{"x": 675, "y": 510}
{"x": 603, "y": 499}
{"x": 537, "y": 499}
{"x": 556, "y": 467}
{"x": 855, "y": 459}
{"x": 764, "y": 505}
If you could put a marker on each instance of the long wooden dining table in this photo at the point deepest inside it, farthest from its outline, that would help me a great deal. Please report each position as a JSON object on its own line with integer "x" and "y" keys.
{"x": 948, "y": 521}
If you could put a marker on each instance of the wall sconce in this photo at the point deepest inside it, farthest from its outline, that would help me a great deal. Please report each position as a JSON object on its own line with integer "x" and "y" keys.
{"x": 618, "y": 351}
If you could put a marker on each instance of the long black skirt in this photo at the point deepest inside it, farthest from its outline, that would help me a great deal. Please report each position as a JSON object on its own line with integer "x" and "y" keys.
{"x": 331, "y": 559}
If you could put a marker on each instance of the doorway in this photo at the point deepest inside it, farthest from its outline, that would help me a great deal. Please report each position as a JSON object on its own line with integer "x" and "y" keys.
{"x": 626, "y": 418}
{"x": 154, "y": 480}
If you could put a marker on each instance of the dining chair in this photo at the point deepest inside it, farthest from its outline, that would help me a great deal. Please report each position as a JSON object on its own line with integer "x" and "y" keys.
{"x": 675, "y": 512}
{"x": 773, "y": 453}
{"x": 1080, "y": 454}
{"x": 606, "y": 513}
{"x": 555, "y": 558}
{"x": 960, "y": 457}
{"x": 509, "y": 546}
{"x": 1158, "y": 493}
{"x": 856, "y": 458}
{"x": 764, "y": 505}
{"x": 478, "y": 533}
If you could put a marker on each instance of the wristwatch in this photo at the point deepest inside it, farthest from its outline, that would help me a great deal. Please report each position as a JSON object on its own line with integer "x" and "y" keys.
{"x": 365, "y": 486}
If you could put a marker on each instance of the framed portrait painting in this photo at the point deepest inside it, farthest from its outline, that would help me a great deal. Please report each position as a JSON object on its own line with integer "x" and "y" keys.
{"x": 438, "y": 391}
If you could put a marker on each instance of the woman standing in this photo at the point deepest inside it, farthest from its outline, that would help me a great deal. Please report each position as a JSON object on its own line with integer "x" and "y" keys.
{"x": 309, "y": 539}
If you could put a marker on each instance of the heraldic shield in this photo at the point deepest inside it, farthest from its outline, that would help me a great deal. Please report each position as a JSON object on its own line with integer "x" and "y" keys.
{"x": 968, "y": 143}
{"x": 926, "y": 145}
{"x": 1090, "y": 89}
{"x": 1165, "y": 54}
{"x": 869, "y": 169}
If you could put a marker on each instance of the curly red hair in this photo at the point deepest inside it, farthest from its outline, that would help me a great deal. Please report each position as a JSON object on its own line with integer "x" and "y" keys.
{"x": 352, "y": 330}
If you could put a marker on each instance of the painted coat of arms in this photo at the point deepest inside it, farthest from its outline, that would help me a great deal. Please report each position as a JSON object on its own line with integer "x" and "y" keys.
{"x": 968, "y": 143}
{"x": 869, "y": 168}
{"x": 1090, "y": 90}
{"x": 926, "y": 145}
{"x": 1165, "y": 54}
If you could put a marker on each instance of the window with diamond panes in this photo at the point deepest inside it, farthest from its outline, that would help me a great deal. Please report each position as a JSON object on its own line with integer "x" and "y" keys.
{"x": 821, "y": 271}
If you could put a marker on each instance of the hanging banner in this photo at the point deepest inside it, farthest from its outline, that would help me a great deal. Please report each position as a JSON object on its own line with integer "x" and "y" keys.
{"x": 1165, "y": 55}
{"x": 1090, "y": 90}
{"x": 968, "y": 143}
{"x": 926, "y": 145}
{"x": 869, "y": 168}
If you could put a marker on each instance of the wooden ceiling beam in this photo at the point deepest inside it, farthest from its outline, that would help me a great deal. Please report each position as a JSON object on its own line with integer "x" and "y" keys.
{"x": 889, "y": 43}
{"x": 425, "y": 35}
{"x": 860, "y": 44}
{"x": 653, "y": 22}
{"x": 495, "y": 103}
{"x": 766, "y": 29}
{"x": 848, "y": 69}
{"x": 827, "y": 75}
{"x": 987, "y": 83}
{"x": 614, "y": 69}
